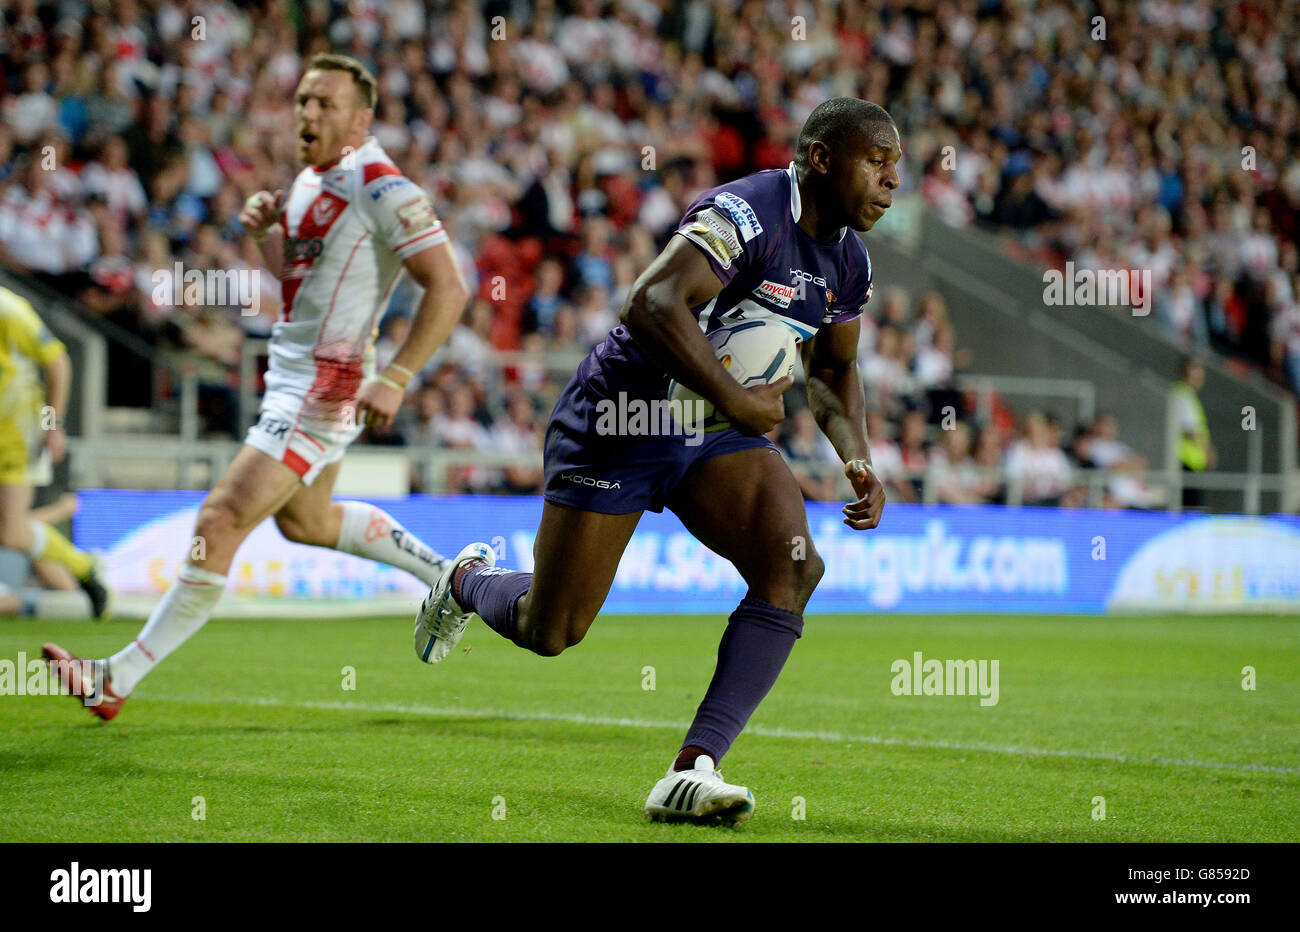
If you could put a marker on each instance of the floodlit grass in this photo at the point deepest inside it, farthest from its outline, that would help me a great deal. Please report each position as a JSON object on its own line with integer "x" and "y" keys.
{"x": 1148, "y": 713}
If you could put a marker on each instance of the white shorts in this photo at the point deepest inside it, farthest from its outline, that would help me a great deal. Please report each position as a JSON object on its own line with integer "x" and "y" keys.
{"x": 305, "y": 436}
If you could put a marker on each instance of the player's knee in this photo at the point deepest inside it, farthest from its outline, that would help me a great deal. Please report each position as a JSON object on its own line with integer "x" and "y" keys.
{"x": 786, "y": 583}
{"x": 557, "y": 633}
{"x": 218, "y": 519}
{"x": 554, "y": 642}
{"x": 793, "y": 589}
{"x": 809, "y": 575}
{"x": 213, "y": 522}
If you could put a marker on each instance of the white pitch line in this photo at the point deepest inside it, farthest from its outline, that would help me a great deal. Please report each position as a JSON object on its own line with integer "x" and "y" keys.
{"x": 836, "y": 737}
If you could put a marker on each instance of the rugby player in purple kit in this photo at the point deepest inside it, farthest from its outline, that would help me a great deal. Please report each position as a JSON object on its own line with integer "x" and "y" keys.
{"x": 737, "y": 252}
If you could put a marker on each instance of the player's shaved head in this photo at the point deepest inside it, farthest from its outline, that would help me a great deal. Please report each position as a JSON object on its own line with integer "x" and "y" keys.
{"x": 846, "y": 164}
{"x": 839, "y": 122}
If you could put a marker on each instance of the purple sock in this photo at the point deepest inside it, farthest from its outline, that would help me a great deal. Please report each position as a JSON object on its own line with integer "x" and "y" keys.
{"x": 493, "y": 593}
{"x": 753, "y": 650}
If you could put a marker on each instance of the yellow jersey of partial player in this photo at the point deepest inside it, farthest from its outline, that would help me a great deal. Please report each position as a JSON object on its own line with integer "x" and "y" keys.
{"x": 26, "y": 346}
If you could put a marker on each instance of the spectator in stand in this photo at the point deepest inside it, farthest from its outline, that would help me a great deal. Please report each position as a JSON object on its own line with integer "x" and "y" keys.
{"x": 114, "y": 180}
{"x": 1104, "y": 450}
{"x": 1120, "y": 154}
{"x": 885, "y": 372}
{"x": 1285, "y": 336}
{"x": 35, "y": 110}
{"x": 459, "y": 429}
{"x": 914, "y": 449}
{"x": 429, "y": 411}
{"x": 595, "y": 315}
{"x": 887, "y": 460}
{"x": 519, "y": 434}
{"x": 33, "y": 226}
{"x": 1039, "y": 466}
{"x": 812, "y": 459}
{"x": 956, "y": 476}
{"x": 991, "y": 462}
{"x": 539, "y": 312}
{"x": 393, "y": 331}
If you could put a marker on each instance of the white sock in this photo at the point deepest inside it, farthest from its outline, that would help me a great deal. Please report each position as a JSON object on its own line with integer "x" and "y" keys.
{"x": 184, "y": 609}
{"x": 370, "y": 532}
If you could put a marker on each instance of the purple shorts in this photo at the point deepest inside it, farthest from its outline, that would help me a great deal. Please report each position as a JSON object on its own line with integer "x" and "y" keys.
{"x": 593, "y": 465}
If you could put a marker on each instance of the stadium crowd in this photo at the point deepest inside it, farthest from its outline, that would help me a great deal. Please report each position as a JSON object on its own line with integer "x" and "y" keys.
{"x": 562, "y": 142}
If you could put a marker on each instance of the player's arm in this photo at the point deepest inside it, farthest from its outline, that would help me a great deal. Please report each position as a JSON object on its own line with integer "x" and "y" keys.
{"x": 838, "y": 403}
{"x": 26, "y": 333}
{"x": 435, "y": 270}
{"x": 259, "y": 217}
{"x": 658, "y": 315}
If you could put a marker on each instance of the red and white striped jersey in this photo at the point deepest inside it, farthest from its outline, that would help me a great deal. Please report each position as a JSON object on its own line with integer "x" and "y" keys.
{"x": 347, "y": 229}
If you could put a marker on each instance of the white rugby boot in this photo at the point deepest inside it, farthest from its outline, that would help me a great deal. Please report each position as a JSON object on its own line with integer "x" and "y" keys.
{"x": 699, "y": 795}
{"x": 441, "y": 621}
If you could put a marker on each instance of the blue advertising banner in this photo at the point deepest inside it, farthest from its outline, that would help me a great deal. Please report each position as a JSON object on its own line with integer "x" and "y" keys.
{"x": 930, "y": 560}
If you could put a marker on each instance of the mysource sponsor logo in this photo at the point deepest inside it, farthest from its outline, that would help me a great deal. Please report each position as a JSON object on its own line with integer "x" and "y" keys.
{"x": 181, "y": 287}
{"x": 106, "y": 885}
{"x": 1099, "y": 288}
{"x": 920, "y": 677}
{"x": 659, "y": 417}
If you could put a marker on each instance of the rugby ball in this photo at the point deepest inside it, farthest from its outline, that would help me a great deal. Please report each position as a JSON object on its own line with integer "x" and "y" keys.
{"x": 755, "y": 352}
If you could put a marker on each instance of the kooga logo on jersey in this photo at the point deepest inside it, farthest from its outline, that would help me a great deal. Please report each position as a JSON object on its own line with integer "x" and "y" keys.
{"x": 801, "y": 275}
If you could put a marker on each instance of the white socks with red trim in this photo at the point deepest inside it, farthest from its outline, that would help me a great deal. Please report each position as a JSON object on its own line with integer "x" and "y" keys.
{"x": 370, "y": 532}
{"x": 183, "y": 610}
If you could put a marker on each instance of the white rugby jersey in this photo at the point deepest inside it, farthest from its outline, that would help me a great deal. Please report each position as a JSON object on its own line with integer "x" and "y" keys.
{"x": 347, "y": 229}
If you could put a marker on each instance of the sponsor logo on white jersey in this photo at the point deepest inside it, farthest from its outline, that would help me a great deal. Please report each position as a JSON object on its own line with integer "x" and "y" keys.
{"x": 387, "y": 186}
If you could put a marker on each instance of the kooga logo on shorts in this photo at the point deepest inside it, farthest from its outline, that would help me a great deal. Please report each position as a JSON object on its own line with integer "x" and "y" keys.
{"x": 587, "y": 480}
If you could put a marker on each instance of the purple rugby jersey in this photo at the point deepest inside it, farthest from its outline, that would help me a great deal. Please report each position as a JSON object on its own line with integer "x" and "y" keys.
{"x": 770, "y": 267}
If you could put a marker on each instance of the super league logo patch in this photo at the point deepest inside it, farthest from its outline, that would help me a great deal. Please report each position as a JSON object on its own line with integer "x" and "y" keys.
{"x": 416, "y": 215}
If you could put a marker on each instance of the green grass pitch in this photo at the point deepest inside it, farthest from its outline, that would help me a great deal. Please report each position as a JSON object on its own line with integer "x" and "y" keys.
{"x": 496, "y": 744}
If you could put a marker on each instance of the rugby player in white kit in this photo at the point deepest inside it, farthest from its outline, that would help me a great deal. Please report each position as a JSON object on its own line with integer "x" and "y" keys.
{"x": 338, "y": 243}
